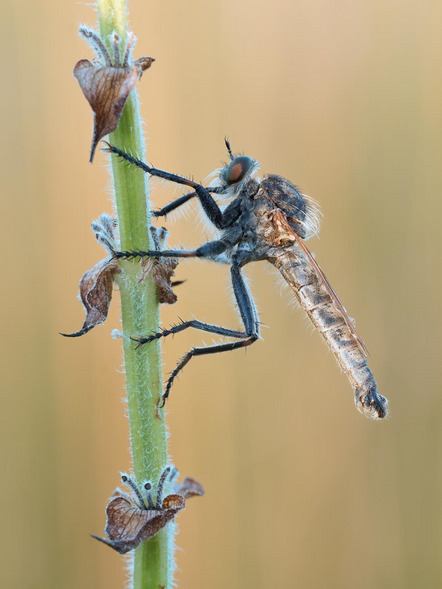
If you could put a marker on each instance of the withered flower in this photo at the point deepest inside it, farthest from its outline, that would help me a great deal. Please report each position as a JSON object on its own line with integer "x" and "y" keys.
{"x": 107, "y": 85}
{"x": 134, "y": 519}
{"x": 161, "y": 270}
{"x": 96, "y": 285}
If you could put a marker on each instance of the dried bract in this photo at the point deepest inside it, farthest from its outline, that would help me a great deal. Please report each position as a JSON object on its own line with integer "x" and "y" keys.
{"x": 96, "y": 284}
{"x": 96, "y": 287}
{"x": 128, "y": 525}
{"x": 107, "y": 85}
{"x": 134, "y": 519}
{"x": 161, "y": 270}
{"x": 189, "y": 488}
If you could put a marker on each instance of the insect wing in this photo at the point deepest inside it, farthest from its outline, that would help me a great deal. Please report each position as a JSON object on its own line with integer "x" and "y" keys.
{"x": 285, "y": 196}
{"x": 333, "y": 294}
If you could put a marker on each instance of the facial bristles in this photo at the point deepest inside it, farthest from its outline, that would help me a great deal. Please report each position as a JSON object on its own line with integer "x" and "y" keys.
{"x": 213, "y": 178}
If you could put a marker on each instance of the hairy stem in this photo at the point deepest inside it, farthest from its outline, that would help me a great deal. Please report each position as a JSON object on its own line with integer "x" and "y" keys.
{"x": 140, "y": 315}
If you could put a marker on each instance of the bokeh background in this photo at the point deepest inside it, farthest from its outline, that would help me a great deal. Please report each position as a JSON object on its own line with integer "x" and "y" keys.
{"x": 344, "y": 98}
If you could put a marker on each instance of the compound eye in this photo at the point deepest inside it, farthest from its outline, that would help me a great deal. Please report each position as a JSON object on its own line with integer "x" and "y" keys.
{"x": 238, "y": 169}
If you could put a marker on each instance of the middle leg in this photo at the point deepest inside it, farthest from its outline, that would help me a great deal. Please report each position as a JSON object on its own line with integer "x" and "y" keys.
{"x": 209, "y": 250}
{"x": 250, "y": 334}
{"x": 209, "y": 205}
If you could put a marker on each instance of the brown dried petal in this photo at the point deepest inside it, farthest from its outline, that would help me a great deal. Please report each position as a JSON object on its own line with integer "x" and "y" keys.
{"x": 189, "y": 488}
{"x": 128, "y": 525}
{"x": 96, "y": 294}
{"x": 161, "y": 272}
{"x": 131, "y": 520}
{"x": 142, "y": 64}
{"x": 106, "y": 83}
{"x": 106, "y": 89}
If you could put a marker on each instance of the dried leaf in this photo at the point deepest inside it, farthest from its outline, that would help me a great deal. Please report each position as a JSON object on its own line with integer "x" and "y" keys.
{"x": 96, "y": 294}
{"x": 131, "y": 521}
{"x": 107, "y": 86}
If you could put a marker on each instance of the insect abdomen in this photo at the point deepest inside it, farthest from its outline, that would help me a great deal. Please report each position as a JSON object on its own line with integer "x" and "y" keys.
{"x": 330, "y": 322}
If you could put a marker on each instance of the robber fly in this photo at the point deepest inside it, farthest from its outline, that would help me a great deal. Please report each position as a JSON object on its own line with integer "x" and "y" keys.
{"x": 267, "y": 219}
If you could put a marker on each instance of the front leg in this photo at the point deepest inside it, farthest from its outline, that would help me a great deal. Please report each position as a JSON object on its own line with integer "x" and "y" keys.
{"x": 180, "y": 201}
{"x": 209, "y": 205}
{"x": 133, "y": 254}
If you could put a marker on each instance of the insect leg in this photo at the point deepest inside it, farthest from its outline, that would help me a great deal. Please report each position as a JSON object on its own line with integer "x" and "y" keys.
{"x": 181, "y": 201}
{"x": 133, "y": 254}
{"x": 209, "y": 205}
{"x": 208, "y": 327}
{"x": 249, "y": 318}
{"x": 173, "y": 205}
{"x": 211, "y": 249}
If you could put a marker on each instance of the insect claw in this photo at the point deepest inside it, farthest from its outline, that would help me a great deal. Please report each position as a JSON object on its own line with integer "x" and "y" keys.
{"x": 160, "y": 405}
{"x": 139, "y": 340}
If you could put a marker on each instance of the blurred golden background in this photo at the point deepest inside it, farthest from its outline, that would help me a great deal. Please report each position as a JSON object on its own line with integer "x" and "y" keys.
{"x": 344, "y": 99}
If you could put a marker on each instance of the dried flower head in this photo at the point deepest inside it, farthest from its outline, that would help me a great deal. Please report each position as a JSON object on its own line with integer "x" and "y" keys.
{"x": 96, "y": 285}
{"x": 161, "y": 270}
{"x": 134, "y": 519}
{"x": 107, "y": 85}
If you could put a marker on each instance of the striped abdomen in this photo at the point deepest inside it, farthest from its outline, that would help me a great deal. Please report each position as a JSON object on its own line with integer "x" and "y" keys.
{"x": 332, "y": 324}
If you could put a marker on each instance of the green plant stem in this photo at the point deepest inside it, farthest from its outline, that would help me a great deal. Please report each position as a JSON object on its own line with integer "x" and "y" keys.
{"x": 140, "y": 315}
